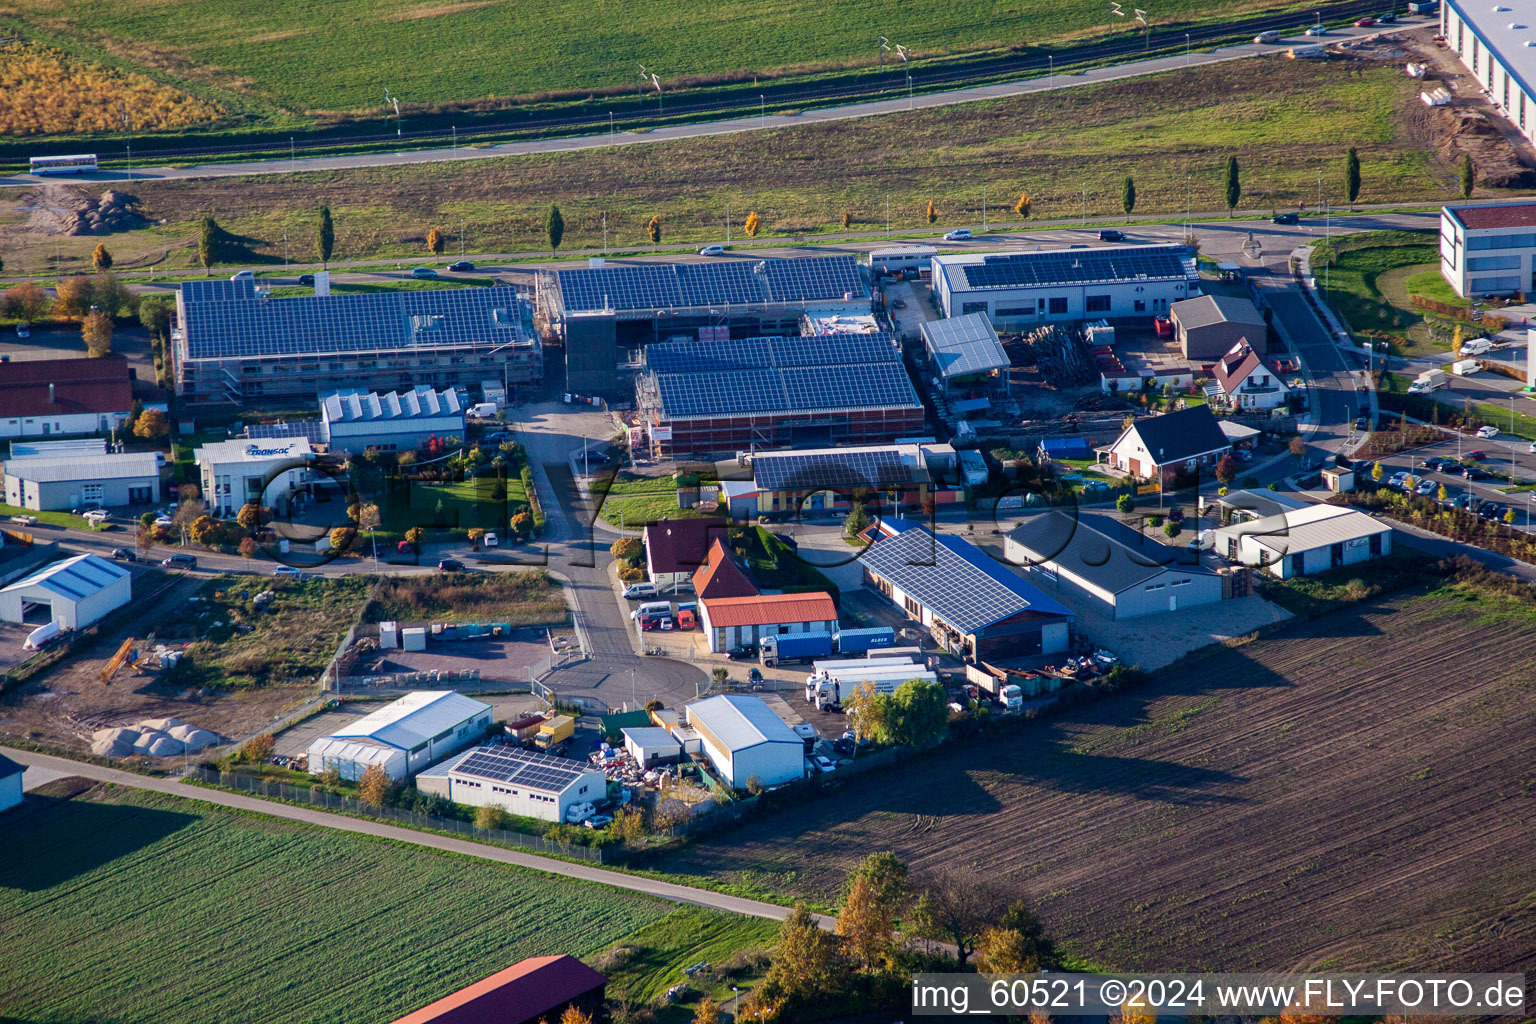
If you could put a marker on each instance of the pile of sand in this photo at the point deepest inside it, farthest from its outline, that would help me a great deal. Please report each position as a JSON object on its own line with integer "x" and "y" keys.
{"x": 153, "y": 737}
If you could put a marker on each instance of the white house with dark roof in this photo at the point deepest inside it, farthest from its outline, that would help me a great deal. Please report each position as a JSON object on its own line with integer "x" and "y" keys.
{"x": 1489, "y": 249}
{"x": 1163, "y": 447}
{"x": 1244, "y": 381}
{"x": 74, "y": 593}
{"x": 240, "y": 471}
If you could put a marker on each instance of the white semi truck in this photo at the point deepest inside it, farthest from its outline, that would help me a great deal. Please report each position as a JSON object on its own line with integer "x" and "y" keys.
{"x": 832, "y": 681}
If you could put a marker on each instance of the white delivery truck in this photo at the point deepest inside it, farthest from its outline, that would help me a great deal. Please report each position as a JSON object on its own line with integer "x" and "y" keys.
{"x": 1009, "y": 695}
{"x": 483, "y": 410}
{"x": 1429, "y": 380}
{"x": 827, "y": 690}
{"x": 1464, "y": 367}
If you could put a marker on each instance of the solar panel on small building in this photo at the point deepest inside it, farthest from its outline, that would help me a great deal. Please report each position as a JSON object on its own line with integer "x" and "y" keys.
{"x": 777, "y": 471}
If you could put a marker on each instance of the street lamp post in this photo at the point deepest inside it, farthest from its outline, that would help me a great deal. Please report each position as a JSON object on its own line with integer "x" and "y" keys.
{"x": 762, "y": 111}
{"x": 1186, "y": 49}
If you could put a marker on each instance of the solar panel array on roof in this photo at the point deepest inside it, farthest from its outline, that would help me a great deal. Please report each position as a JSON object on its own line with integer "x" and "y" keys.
{"x": 225, "y": 319}
{"x": 1078, "y": 266}
{"x": 525, "y": 768}
{"x": 312, "y": 430}
{"x": 964, "y": 345}
{"x": 792, "y": 470}
{"x": 760, "y": 353}
{"x": 727, "y": 282}
{"x": 726, "y": 393}
{"x": 954, "y": 579}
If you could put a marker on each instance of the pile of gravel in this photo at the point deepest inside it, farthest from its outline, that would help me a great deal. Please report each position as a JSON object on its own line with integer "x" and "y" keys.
{"x": 153, "y": 737}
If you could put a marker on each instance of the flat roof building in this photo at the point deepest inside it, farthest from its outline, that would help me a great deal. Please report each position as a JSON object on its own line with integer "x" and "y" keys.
{"x": 51, "y": 482}
{"x": 48, "y": 397}
{"x": 1119, "y": 572}
{"x": 1304, "y": 541}
{"x": 74, "y": 593}
{"x": 1496, "y": 43}
{"x": 745, "y": 740}
{"x": 973, "y": 604}
{"x": 1021, "y": 290}
{"x": 698, "y": 399}
{"x": 599, "y": 309}
{"x": 402, "y": 737}
{"x": 233, "y": 344}
{"x": 236, "y": 472}
{"x": 1489, "y": 249}
{"x": 356, "y": 421}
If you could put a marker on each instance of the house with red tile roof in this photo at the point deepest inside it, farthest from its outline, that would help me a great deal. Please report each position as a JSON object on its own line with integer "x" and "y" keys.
{"x": 720, "y": 576}
{"x": 733, "y": 621}
{"x": 1247, "y": 382}
{"x": 536, "y": 989}
{"x": 64, "y": 397}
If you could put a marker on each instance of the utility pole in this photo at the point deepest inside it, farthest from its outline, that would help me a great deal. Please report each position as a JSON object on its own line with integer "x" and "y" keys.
{"x": 727, "y": 223}
{"x": 293, "y": 165}
{"x": 983, "y": 207}
{"x": 762, "y": 111}
{"x": 887, "y": 217}
{"x": 610, "y": 127}
{"x": 1085, "y": 206}
{"x": 455, "y": 141}
{"x": 605, "y": 232}
{"x": 463, "y": 230}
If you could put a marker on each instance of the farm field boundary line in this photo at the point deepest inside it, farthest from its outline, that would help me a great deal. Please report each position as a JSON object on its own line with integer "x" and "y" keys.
{"x": 663, "y": 890}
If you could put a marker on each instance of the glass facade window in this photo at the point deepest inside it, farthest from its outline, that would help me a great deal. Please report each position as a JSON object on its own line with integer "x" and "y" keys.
{"x": 1096, "y": 304}
{"x": 1480, "y": 263}
{"x": 1058, "y": 304}
{"x": 1485, "y": 285}
{"x": 1523, "y": 241}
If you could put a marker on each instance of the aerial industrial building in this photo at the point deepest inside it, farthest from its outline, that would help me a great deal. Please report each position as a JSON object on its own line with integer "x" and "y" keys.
{"x": 233, "y": 344}
{"x": 403, "y": 736}
{"x": 698, "y": 399}
{"x": 745, "y": 740}
{"x": 522, "y": 782}
{"x": 1022, "y": 290}
{"x": 1489, "y": 249}
{"x": 74, "y": 593}
{"x": 597, "y": 310}
{"x": 59, "y": 397}
{"x": 356, "y": 421}
{"x": 52, "y": 475}
{"x": 1494, "y": 42}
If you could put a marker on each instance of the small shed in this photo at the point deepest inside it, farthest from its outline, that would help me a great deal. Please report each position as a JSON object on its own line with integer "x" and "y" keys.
{"x": 1338, "y": 479}
{"x": 652, "y": 745}
{"x": 414, "y": 638}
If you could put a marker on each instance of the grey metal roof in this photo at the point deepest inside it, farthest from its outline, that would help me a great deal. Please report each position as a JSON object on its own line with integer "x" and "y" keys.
{"x": 421, "y": 402}
{"x": 720, "y": 282}
{"x": 1315, "y": 526}
{"x": 964, "y": 344}
{"x": 1205, "y": 310}
{"x": 1262, "y": 503}
{"x": 1095, "y": 549}
{"x": 74, "y": 578}
{"x": 229, "y": 320}
{"x": 53, "y": 469}
{"x": 953, "y": 578}
{"x": 740, "y": 720}
{"x": 414, "y": 718}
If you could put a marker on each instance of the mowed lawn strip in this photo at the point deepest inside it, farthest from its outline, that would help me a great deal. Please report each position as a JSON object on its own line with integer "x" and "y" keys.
{"x": 1173, "y": 132}
{"x": 136, "y": 906}
{"x": 1351, "y": 792}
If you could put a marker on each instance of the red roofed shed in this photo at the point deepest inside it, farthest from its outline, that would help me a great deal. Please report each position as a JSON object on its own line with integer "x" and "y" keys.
{"x": 537, "y": 988}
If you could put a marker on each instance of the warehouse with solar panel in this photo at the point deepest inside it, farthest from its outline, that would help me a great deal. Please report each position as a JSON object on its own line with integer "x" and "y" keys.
{"x": 702, "y": 399}
{"x": 233, "y": 343}
{"x": 523, "y": 782}
{"x": 1022, "y": 290}
{"x": 605, "y": 313}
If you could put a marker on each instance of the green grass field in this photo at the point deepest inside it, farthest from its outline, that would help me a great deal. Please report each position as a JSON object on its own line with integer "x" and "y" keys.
{"x": 1372, "y": 281}
{"x": 295, "y": 57}
{"x": 1172, "y": 132}
{"x": 146, "y": 908}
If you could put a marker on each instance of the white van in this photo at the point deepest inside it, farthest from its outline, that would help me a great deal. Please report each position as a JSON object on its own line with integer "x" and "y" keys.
{"x": 640, "y": 591}
{"x": 652, "y": 608}
{"x": 1267, "y": 37}
{"x": 1476, "y": 347}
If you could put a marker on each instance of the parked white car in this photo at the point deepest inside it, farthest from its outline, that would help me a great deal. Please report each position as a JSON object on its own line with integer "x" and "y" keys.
{"x": 490, "y": 540}
{"x": 1487, "y": 431}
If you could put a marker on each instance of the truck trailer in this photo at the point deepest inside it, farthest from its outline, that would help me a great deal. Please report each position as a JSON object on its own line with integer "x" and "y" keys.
{"x": 555, "y": 732}
{"x": 858, "y": 641}
{"x": 1429, "y": 380}
{"x": 789, "y": 647}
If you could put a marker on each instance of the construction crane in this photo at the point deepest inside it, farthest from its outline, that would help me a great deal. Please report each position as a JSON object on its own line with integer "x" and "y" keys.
{"x": 125, "y": 655}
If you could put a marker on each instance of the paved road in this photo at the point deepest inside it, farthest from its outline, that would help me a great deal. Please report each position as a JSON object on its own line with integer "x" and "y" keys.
{"x": 59, "y": 767}
{"x": 730, "y": 126}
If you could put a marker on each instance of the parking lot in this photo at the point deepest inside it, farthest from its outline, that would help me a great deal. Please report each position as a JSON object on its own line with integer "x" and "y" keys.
{"x": 507, "y": 660}
{"x": 1465, "y": 467}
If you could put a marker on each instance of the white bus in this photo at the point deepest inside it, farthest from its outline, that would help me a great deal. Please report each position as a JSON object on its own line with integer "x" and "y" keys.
{"x": 81, "y": 163}
{"x": 898, "y": 260}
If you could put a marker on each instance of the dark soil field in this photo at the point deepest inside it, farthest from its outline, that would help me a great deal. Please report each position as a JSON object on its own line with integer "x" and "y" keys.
{"x": 1354, "y": 792}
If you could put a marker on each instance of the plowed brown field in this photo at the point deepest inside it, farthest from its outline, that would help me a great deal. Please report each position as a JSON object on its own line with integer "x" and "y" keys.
{"x": 1357, "y": 791}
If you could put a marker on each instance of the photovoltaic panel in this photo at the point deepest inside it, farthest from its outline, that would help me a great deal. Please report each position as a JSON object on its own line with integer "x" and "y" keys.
{"x": 954, "y": 579}
{"x": 837, "y": 469}
{"x": 227, "y": 319}
{"x": 760, "y": 353}
{"x": 735, "y": 282}
{"x": 964, "y": 345}
{"x": 1077, "y": 266}
{"x": 526, "y": 768}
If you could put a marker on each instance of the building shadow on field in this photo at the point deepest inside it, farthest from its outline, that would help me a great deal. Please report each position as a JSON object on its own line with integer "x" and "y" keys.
{"x": 50, "y": 840}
